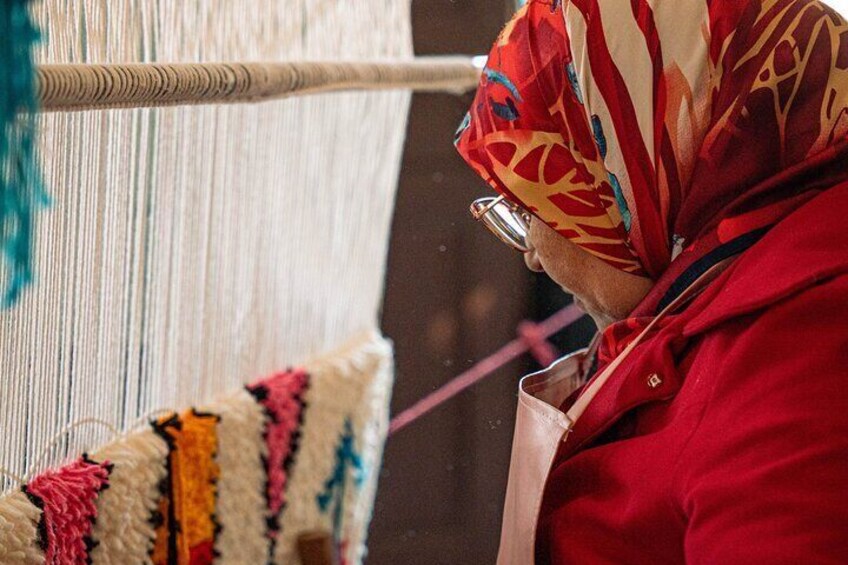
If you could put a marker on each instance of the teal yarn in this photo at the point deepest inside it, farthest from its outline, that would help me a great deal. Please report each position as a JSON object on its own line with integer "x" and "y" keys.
{"x": 21, "y": 188}
{"x": 348, "y": 461}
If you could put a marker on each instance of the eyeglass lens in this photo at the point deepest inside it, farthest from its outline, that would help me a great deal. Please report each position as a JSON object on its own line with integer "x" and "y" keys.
{"x": 506, "y": 221}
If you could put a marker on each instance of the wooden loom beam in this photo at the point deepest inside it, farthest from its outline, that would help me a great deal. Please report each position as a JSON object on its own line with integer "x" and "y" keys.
{"x": 76, "y": 87}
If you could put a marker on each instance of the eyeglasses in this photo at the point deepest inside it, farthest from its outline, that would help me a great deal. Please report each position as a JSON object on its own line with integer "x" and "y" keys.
{"x": 506, "y": 220}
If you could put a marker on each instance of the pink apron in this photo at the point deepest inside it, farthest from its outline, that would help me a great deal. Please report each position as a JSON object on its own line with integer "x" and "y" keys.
{"x": 540, "y": 427}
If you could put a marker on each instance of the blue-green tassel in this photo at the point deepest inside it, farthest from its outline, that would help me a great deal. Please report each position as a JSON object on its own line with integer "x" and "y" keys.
{"x": 21, "y": 188}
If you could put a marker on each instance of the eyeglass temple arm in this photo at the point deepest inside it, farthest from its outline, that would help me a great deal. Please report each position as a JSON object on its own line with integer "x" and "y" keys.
{"x": 478, "y": 214}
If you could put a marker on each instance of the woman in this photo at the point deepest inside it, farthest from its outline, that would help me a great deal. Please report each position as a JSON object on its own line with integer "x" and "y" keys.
{"x": 682, "y": 165}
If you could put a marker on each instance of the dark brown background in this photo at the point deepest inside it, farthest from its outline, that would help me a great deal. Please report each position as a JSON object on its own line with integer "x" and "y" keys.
{"x": 454, "y": 295}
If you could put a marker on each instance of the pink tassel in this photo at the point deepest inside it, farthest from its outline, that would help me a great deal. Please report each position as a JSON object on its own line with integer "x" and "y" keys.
{"x": 67, "y": 497}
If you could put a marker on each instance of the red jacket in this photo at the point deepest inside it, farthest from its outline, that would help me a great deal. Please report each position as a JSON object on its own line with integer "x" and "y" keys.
{"x": 740, "y": 454}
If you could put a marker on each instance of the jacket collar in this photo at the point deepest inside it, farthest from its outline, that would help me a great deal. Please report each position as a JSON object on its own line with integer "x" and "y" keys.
{"x": 807, "y": 247}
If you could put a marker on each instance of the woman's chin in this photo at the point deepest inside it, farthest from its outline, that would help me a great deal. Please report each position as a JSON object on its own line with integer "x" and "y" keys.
{"x": 602, "y": 320}
{"x": 579, "y": 303}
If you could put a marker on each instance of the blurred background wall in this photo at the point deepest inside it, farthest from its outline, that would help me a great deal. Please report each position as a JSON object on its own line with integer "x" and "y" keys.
{"x": 454, "y": 295}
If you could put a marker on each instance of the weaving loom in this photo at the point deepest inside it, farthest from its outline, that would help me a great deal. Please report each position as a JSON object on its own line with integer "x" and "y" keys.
{"x": 190, "y": 250}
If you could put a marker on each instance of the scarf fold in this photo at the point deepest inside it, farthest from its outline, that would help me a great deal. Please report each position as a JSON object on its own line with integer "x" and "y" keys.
{"x": 663, "y": 135}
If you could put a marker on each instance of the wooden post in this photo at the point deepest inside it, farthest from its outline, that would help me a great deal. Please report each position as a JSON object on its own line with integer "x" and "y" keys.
{"x": 316, "y": 548}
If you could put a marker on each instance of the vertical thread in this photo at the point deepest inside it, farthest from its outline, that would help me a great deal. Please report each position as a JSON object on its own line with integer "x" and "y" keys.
{"x": 188, "y": 250}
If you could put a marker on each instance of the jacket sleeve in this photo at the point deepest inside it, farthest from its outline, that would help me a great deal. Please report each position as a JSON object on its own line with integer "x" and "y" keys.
{"x": 764, "y": 477}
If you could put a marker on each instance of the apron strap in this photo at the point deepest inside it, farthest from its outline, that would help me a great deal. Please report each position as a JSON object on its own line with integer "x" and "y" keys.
{"x": 686, "y": 296}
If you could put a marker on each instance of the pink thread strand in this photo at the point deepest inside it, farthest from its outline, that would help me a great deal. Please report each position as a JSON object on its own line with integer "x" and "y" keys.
{"x": 540, "y": 348}
{"x": 483, "y": 369}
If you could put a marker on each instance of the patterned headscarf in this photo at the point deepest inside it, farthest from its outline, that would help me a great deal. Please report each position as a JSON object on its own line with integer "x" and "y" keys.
{"x": 653, "y": 133}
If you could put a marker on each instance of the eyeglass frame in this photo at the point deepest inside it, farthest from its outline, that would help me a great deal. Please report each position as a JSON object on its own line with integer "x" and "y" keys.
{"x": 482, "y": 209}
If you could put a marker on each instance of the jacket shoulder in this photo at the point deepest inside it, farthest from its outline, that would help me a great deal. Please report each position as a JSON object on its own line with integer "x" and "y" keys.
{"x": 762, "y": 477}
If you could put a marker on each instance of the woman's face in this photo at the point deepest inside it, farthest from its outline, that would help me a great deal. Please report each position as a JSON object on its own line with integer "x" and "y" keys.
{"x": 602, "y": 291}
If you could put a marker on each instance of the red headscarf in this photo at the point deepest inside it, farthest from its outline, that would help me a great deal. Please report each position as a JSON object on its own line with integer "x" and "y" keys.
{"x": 663, "y": 135}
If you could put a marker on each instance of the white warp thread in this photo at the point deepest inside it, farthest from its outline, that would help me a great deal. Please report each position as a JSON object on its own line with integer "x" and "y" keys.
{"x": 190, "y": 249}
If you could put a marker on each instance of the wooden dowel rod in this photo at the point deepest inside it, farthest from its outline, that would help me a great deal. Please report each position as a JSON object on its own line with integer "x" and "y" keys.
{"x": 316, "y": 548}
{"x": 75, "y": 87}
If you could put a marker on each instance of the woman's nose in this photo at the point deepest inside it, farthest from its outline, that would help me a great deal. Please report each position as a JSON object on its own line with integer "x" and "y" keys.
{"x": 531, "y": 259}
